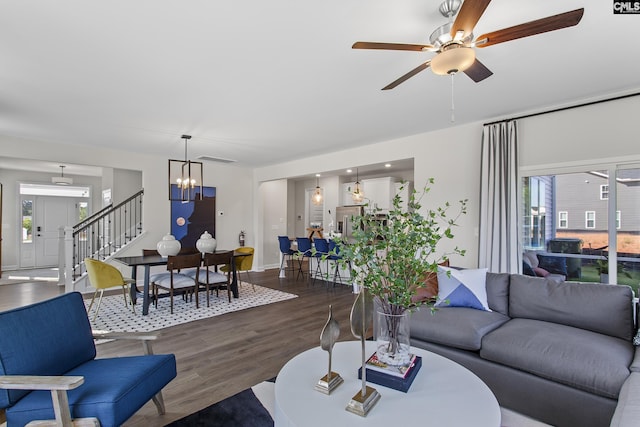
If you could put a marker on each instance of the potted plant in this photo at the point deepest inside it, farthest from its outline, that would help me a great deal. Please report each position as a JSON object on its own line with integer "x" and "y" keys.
{"x": 391, "y": 255}
{"x": 602, "y": 267}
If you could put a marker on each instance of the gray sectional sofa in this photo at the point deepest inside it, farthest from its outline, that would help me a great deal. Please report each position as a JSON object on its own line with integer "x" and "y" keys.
{"x": 561, "y": 353}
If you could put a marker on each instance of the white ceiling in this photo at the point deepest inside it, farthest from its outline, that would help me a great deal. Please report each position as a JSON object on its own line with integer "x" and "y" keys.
{"x": 267, "y": 81}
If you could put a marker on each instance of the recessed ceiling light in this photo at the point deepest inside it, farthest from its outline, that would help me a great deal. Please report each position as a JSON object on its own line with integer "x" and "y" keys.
{"x": 318, "y": 174}
{"x": 349, "y": 171}
{"x": 388, "y": 165}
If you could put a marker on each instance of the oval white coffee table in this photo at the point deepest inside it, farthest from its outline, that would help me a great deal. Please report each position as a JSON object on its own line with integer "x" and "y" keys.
{"x": 444, "y": 393}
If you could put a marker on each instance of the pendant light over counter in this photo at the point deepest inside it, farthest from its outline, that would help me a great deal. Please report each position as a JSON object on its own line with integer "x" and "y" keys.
{"x": 357, "y": 196}
{"x": 316, "y": 199}
{"x": 185, "y": 178}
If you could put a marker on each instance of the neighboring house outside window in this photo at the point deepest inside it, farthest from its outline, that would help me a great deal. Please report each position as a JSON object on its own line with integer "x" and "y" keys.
{"x": 604, "y": 192}
{"x": 563, "y": 219}
{"x": 618, "y": 220}
{"x": 590, "y": 219}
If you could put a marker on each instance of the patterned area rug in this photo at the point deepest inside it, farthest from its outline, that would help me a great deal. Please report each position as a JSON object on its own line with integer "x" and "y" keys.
{"x": 114, "y": 316}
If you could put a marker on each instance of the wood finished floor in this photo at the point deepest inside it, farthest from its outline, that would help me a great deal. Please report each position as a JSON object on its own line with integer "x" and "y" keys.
{"x": 220, "y": 356}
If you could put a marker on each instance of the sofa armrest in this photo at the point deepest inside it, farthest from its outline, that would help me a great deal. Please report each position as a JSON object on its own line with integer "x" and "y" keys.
{"x": 146, "y": 338}
{"x": 627, "y": 411}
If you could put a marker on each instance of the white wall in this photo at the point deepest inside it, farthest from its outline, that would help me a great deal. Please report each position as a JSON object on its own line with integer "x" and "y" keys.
{"x": 603, "y": 132}
{"x": 456, "y": 175}
{"x": 11, "y": 212}
{"x": 233, "y": 183}
{"x": 452, "y": 156}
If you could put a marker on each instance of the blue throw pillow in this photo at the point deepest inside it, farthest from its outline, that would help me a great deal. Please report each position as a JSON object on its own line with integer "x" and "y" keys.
{"x": 462, "y": 288}
{"x": 553, "y": 264}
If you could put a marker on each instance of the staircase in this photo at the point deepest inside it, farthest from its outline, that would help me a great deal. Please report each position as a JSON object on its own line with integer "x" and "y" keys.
{"x": 99, "y": 236}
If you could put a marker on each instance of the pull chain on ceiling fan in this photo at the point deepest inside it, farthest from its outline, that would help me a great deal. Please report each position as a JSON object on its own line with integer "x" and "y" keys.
{"x": 454, "y": 44}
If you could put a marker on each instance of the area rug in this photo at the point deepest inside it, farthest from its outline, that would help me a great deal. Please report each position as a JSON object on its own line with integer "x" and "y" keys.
{"x": 115, "y": 317}
{"x": 249, "y": 408}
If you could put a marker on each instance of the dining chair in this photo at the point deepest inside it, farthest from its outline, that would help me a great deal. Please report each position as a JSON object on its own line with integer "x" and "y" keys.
{"x": 104, "y": 276}
{"x": 304, "y": 251}
{"x": 174, "y": 281}
{"x": 210, "y": 276}
{"x": 321, "y": 250}
{"x": 242, "y": 263}
{"x": 287, "y": 251}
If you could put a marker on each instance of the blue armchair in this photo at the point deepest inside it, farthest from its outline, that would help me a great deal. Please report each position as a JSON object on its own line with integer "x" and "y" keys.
{"x": 49, "y": 370}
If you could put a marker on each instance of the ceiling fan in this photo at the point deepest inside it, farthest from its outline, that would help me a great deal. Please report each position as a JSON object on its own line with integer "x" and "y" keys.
{"x": 454, "y": 43}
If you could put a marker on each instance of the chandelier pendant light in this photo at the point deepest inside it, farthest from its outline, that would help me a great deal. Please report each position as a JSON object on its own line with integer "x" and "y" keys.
{"x": 316, "y": 199}
{"x": 357, "y": 196}
{"x": 185, "y": 178}
{"x": 62, "y": 180}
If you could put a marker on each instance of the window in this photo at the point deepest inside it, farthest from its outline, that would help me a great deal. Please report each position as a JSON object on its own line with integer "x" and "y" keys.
{"x": 588, "y": 240}
{"x": 590, "y": 219}
{"x": 535, "y": 202}
{"x": 563, "y": 219}
{"x": 27, "y": 221}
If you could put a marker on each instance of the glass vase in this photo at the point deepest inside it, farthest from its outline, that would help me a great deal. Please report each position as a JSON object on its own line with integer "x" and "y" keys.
{"x": 392, "y": 338}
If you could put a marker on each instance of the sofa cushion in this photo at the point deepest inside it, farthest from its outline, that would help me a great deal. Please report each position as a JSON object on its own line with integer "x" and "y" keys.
{"x": 581, "y": 359}
{"x": 498, "y": 292}
{"x": 457, "y": 327}
{"x": 606, "y": 309}
{"x": 127, "y": 381}
{"x": 462, "y": 288}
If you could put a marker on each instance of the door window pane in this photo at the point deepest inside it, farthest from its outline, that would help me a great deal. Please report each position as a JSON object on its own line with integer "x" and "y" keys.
{"x": 27, "y": 221}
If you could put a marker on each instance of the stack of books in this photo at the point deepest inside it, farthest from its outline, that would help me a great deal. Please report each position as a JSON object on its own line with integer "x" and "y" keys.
{"x": 398, "y": 378}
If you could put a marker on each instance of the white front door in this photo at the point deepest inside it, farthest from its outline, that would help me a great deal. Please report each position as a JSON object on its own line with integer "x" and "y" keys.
{"x": 49, "y": 213}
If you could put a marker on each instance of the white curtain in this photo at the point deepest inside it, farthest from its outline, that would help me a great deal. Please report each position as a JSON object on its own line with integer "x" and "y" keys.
{"x": 499, "y": 249}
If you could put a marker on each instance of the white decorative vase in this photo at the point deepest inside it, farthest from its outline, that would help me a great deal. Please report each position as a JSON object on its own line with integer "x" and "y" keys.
{"x": 168, "y": 246}
{"x": 206, "y": 243}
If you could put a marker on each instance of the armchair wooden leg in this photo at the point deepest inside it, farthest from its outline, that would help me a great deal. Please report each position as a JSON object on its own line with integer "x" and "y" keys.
{"x": 157, "y": 399}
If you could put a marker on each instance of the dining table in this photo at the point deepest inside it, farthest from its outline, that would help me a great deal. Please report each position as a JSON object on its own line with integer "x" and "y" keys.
{"x": 148, "y": 261}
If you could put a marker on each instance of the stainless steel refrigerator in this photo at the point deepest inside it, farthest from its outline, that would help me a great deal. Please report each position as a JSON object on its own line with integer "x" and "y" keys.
{"x": 344, "y": 215}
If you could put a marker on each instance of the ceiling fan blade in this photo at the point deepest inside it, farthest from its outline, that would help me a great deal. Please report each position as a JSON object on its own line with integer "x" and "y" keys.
{"x": 478, "y": 71}
{"x": 468, "y": 16}
{"x": 391, "y": 46}
{"x": 407, "y": 76}
{"x": 551, "y": 23}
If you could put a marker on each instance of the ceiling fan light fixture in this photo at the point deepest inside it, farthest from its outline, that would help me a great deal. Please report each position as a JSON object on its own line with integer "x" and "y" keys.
{"x": 453, "y": 59}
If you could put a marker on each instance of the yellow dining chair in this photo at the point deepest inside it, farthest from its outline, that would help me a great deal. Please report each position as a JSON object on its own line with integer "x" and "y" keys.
{"x": 243, "y": 263}
{"x": 103, "y": 276}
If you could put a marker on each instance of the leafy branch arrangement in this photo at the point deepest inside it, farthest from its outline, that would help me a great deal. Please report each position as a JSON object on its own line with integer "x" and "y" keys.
{"x": 391, "y": 254}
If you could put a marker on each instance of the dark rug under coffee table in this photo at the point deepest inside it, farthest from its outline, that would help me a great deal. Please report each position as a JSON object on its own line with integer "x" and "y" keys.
{"x": 241, "y": 410}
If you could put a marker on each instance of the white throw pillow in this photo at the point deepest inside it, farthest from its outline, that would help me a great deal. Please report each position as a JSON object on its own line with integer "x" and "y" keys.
{"x": 462, "y": 288}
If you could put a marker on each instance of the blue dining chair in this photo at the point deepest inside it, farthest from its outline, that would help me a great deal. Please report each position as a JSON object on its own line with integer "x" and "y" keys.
{"x": 304, "y": 251}
{"x": 321, "y": 249}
